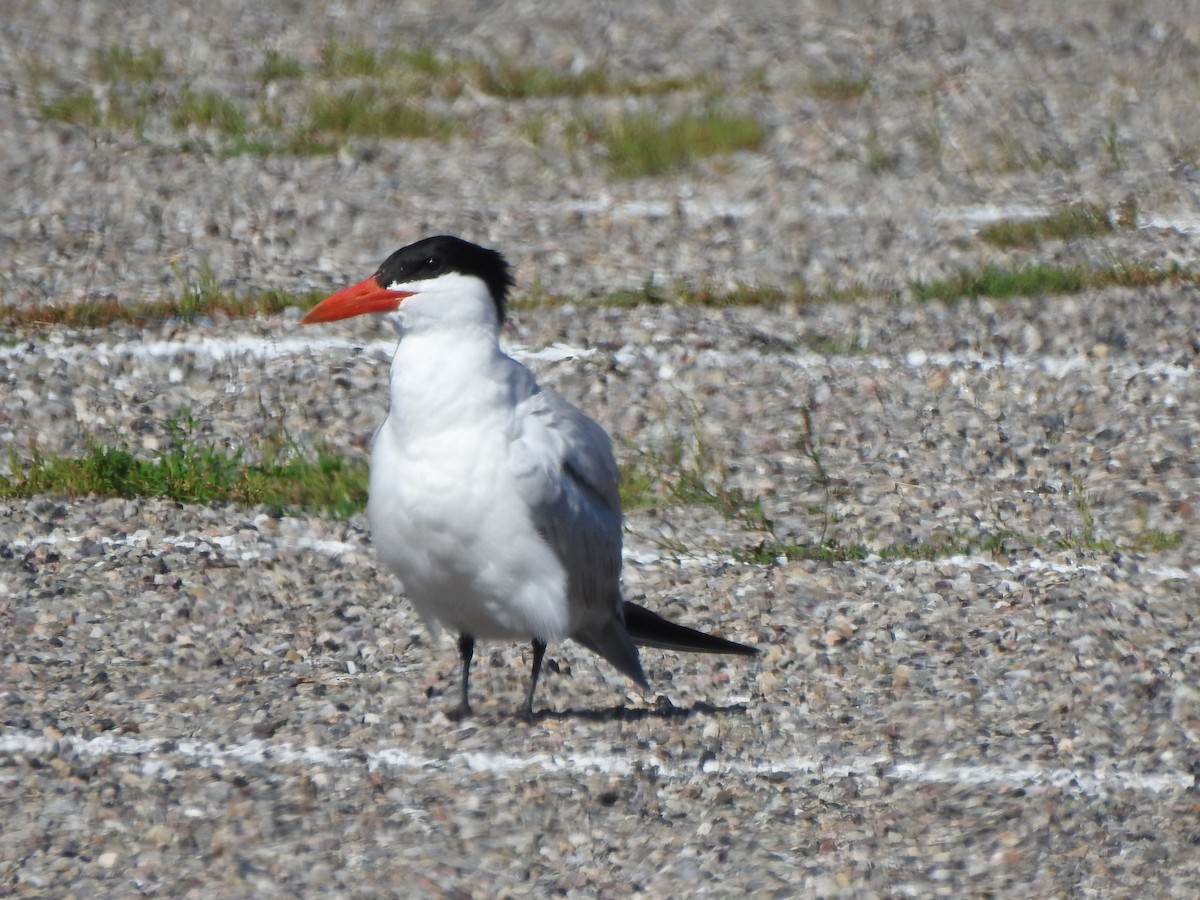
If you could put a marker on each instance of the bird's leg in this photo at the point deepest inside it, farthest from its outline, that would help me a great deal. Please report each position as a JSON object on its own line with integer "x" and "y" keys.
{"x": 539, "y": 651}
{"x": 466, "y": 649}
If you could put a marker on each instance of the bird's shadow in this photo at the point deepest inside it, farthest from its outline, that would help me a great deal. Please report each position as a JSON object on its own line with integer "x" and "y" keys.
{"x": 663, "y": 710}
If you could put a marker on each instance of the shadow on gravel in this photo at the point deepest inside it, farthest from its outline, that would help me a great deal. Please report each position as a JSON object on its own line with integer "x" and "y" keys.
{"x": 662, "y": 710}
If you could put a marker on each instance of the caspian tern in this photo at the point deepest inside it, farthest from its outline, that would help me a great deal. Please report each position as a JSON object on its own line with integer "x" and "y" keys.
{"x": 493, "y": 499}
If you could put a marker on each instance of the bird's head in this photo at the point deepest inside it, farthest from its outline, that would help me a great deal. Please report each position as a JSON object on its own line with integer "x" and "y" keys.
{"x": 438, "y": 279}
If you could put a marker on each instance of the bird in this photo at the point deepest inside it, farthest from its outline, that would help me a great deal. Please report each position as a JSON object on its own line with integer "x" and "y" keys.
{"x": 492, "y": 498}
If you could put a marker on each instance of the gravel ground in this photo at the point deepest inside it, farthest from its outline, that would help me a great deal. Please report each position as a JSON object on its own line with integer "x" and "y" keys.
{"x": 223, "y": 702}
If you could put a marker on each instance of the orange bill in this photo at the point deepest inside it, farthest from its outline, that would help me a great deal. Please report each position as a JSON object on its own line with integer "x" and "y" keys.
{"x": 364, "y": 297}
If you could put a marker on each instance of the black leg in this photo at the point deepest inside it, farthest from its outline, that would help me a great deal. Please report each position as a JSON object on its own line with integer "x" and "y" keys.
{"x": 539, "y": 651}
{"x": 466, "y": 649}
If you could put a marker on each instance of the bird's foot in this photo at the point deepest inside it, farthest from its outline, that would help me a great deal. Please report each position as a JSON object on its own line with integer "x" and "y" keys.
{"x": 459, "y": 712}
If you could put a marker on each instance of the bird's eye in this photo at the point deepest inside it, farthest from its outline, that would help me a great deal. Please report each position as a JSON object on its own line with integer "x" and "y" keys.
{"x": 433, "y": 264}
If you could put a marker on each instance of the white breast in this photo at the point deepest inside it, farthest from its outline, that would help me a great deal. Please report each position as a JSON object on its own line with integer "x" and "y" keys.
{"x": 445, "y": 513}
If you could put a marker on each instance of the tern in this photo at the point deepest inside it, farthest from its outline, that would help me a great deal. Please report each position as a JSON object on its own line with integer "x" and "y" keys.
{"x": 492, "y": 499}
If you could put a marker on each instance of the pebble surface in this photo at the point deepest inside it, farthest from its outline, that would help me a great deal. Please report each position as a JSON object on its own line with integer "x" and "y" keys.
{"x": 227, "y": 702}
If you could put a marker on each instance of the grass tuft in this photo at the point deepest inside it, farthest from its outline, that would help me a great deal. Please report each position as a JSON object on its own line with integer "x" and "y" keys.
{"x": 372, "y": 113}
{"x": 205, "y": 297}
{"x": 208, "y": 109}
{"x": 356, "y": 91}
{"x": 129, "y": 64}
{"x": 840, "y": 88}
{"x": 993, "y": 281}
{"x": 513, "y": 80}
{"x": 879, "y": 158}
{"x": 194, "y": 472}
{"x": 1088, "y": 537}
{"x": 129, "y": 74}
{"x": 1114, "y": 146}
{"x": 643, "y": 145}
{"x": 352, "y": 60}
{"x": 424, "y": 61}
{"x": 1009, "y": 154}
{"x": 672, "y": 478}
{"x": 1155, "y": 540}
{"x": 1079, "y": 221}
{"x": 75, "y": 108}
{"x": 277, "y": 67}
{"x": 1039, "y": 279}
{"x": 201, "y": 299}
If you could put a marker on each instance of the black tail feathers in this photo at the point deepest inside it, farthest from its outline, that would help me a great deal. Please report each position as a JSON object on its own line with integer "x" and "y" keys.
{"x": 649, "y": 629}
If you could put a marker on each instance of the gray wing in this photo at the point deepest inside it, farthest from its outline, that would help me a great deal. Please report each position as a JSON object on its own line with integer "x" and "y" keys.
{"x": 568, "y": 476}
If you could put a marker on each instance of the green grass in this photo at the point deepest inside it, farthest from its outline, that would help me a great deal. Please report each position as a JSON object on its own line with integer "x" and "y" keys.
{"x": 425, "y": 61}
{"x": 131, "y": 75}
{"x": 828, "y": 345}
{"x": 194, "y": 472}
{"x": 378, "y": 107}
{"x": 502, "y": 77}
{"x": 203, "y": 298}
{"x": 677, "y": 478}
{"x": 832, "y": 551}
{"x": 1037, "y": 279}
{"x": 131, "y": 112}
{"x": 350, "y": 61}
{"x": 650, "y": 294}
{"x": 1009, "y": 154}
{"x": 643, "y": 144}
{"x": 695, "y": 478}
{"x": 534, "y": 128}
{"x": 878, "y": 157}
{"x": 699, "y": 478}
{"x": 74, "y": 108}
{"x": 513, "y": 80}
{"x": 136, "y": 65}
{"x": 703, "y": 295}
{"x": 198, "y": 471}
{"x": 208, "y": 109}
{"x": 1087, "y": 538}
{"x": 371, "y": 112}
{"x": 840, "y": 88}
{"x": 1078, "y": 221}
{"x": 278, "y": 67}
{"x": 1114, "y": 146}
{"x": 993, "y": 281}
{"x": 358, "y": 92}
{"x": 1156, "y": 540}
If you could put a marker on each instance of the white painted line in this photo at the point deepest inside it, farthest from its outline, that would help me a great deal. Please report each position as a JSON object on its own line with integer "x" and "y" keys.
{"x": 987, "y": 213}
{"x": 684, "y": 206}
{"x": 1157, "y": 573}
{"x": 160, "y": 756}
{"x": 248, "y": 347}
{"x": 603, "y": 204}
{"x": 244, "y": 545}
{"x": 1098, "y": 782}
{"x": 1184, "y": 224}
{"x": 217, "y": 349}
{"x": 699, "y": 209}
{"x": 270, "y": 348}
{"x": 922, "y": 361}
